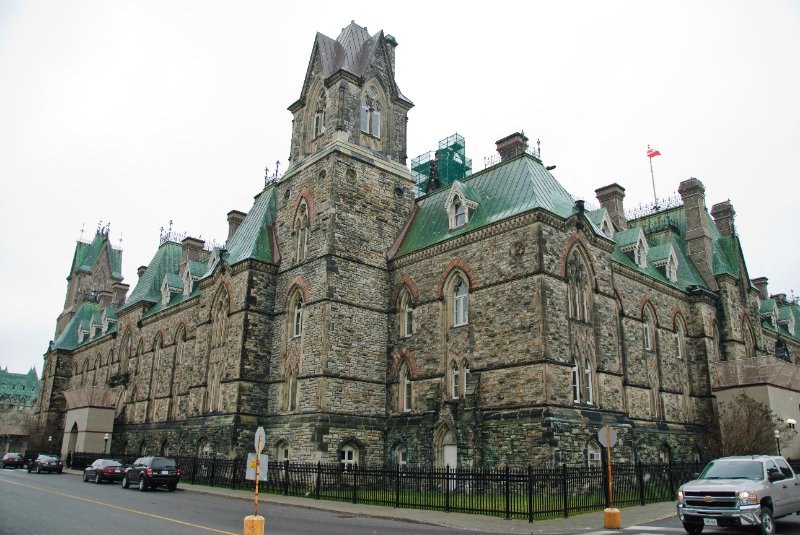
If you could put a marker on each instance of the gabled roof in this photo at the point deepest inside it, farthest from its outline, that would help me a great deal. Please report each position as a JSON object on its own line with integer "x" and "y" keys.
{"x": 196, "y": 268}
{"x": 87, "y": 255}
{"x": 508, "y": 189}
{"x": 148, "y": 289}
{"x": 251, "y": 240}
{"x": 68, "y": 339}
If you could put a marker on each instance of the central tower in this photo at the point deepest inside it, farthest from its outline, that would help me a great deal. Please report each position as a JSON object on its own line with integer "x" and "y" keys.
{"x": 341, "y": 205}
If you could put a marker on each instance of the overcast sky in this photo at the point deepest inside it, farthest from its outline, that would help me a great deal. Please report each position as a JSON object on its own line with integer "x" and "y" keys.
{"x": 138, "y": 113}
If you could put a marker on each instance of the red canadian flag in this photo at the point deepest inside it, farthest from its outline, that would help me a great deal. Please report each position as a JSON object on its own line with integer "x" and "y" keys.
{"x": 652, "y": 152}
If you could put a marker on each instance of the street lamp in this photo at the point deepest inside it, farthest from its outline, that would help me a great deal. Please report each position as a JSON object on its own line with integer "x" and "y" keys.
{"x": 105, "y": 439}
{"x": 777, "y": 440}
{"x": 50, "y": 443}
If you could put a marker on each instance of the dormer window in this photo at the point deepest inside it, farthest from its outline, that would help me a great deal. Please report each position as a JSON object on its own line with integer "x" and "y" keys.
{"x": 791, "y": 325}
{"x": 664, "y": 259}
{"x": 632, "y": 242}
{"x": 672, "y": 269}
{"x": 606, "y": 227}
{"x": 640, "y": 252}
{"x": 458, "y": 206}
{"x": 371, "y": 113}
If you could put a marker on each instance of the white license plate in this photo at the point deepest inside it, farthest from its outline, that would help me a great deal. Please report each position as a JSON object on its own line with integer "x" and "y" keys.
{"x": 710, "y": 521}
{"x": 166, "y": 472}
{"x": 117, "y": 471}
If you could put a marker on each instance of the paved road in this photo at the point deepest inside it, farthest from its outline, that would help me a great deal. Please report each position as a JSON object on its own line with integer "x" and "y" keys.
{"x": 789, "y": 525}
{"x": 54, "y": 504}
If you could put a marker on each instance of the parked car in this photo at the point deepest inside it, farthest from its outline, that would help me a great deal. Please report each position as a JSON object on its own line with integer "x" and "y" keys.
{"x": 740, "y": 492}
{"x": 46, "y": 463}
{"x": 12, "y": 459}
{"x": 152, "y": 472}
{"x": 104, "y": 470}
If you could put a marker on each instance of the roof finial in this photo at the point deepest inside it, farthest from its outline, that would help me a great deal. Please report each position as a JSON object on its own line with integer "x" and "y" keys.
{"x": 81, "y": 238}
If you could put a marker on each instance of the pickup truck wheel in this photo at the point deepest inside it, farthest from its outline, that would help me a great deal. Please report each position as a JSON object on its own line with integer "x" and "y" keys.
{"x": 767, "y": 526}
{"x": 693, "y": 529}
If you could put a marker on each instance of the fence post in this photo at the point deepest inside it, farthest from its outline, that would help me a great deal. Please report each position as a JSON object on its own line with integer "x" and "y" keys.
{"x": 565, "y": 491}
{"x": 355, "y": 482}
{"x": 508, "y": 493}
{"x": 286, "y": 477}
{"x": 397, "y": 487}
{"x": 213, "y": 469}
{"x": 447, "y": 488}
{"x": 640, "y": 478}
{"x": 234, "y": 472}
{"x": 318, "y": 482}
{"x": 194, "y": 469}
{"x": 530, "y": 494}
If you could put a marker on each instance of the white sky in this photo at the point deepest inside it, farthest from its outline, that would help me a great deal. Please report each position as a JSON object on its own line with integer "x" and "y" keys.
{"x": 141, "y": 112}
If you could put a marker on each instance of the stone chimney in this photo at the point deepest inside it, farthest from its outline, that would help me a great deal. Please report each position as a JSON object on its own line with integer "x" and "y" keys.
{"x": 235, "y": 218}
{"x": 761, "y": 285}
{"x": 698, "y": 235}
{"x": 120, "y": 293}
{"x": 780, "y": 299}
{"x": 192, "y": 247}
{"x": 511, "y": 146}
{"x": 723, "y": 214}
{"x": 104, "y": 298}
{"x": 141, "y": 271}
{"x": 610, "y": 197}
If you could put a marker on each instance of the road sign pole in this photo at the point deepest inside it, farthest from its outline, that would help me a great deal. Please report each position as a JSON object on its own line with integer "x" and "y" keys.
{"x": 610, "y": 478}
{"x": 258, "y": 462}
{"x": 254, "y": 524}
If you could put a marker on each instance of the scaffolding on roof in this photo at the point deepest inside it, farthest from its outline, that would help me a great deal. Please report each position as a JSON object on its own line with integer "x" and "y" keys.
{"x": 449, "y": 164}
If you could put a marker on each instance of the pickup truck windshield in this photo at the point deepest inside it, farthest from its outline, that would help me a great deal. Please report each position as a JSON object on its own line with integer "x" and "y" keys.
{"x": 733, "y": 470}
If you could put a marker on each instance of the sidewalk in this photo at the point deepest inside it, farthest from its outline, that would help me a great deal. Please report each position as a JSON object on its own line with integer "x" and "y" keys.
{"x": 588, "y": 522}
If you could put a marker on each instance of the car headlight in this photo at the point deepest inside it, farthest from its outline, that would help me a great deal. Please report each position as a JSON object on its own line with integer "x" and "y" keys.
{"x": 680, "y": 495}
{"x": 747, "y": 498}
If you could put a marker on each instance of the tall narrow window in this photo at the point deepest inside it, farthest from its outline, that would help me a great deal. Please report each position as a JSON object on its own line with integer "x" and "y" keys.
{"x": 454, "y": 381}
{"x": 301, "y": 231}
{"x": 749, "y": 340}
{"x": 576, "y": 382}
{"x": 406, "y": 315}
{"x": 588, "y": 395}
{"x": 157, "y": 354}
{"x": 371, "y": 113}
{"x": 648, "y": 330}
{"x": 459, "y": 213}
{"x": 405, "y": 389}
{"x": 291, "y": 389}
{"x": 219, "y": 321}
{"x": 297, "y": 316}
{"x": 319, "y": 115}
{"x": 680, "y": 338}
{"x": 578, "y": 287}
{"x": 460, "y": 304}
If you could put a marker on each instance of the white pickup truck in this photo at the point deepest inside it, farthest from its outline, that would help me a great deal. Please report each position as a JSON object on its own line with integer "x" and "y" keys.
{"x": 739, "y": 492}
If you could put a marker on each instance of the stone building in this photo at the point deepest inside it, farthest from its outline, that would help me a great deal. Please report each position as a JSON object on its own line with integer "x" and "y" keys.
{"x": 362, "y": 311}
{"x": 18, "y": 394}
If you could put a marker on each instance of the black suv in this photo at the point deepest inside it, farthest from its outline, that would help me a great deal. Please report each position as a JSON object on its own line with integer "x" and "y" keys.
{"x": 152, "y": 472}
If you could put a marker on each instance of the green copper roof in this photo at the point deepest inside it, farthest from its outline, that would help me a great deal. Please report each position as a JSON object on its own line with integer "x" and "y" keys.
{"x": 503, "y": 191}
{"x": 174, "y": 280}
{"x": 19, "y": 388}
{"x": 166, "y": 260}
{"x": 251, "y": 239}
{"x": 596, "y": 216}
{"x": 687, "y": 274}
{"x": 767, "y": 306}
{"x": 197, "y": 269}
{"x": 87, "y": 254}
{"x": 627, "y": 237}
{"x": 659, "y": 252}
{"x": 68, "y": 339}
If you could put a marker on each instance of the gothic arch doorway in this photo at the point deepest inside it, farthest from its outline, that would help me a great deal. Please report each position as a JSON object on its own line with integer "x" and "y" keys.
{"x": 73, "y": 438}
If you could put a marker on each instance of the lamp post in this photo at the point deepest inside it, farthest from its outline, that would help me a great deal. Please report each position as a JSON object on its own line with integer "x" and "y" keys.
{"x": 105, "y": 445}
{"x": 50, "y": 443}
{"x": 777, "y": 440}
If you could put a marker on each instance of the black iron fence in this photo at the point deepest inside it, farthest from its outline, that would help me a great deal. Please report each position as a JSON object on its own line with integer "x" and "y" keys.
{"x": 532, "y": 493}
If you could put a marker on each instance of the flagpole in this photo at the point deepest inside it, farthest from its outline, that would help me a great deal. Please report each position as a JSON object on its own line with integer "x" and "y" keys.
{"x": 653, "y": 178}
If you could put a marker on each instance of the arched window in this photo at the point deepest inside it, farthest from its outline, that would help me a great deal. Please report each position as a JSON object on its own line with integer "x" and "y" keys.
{"x": 164, "y": 448}
{"x": 348, "y": 455}
{"x": 587, "y": 392}
{"x": 460, "y": 303}
{"x": 319, "y": 115}
{"x": 680, "y": 338}
{"x": 203, "y": 448}
{"x": 371, "y": 113}
{"x": 401, "y": 455}
{"x": 219, "y": 321}
{"x": 404, "y": 395}
{"x": 180, "y": 346}
{"x": 455, "y": 376}
{"x": 406, "y": 314}
{"x": 665, "y": 454}
{"x": 297, "y": 315}
{"x": 301, "y": 231}
{"x": 578, "y": 287}
{"x": 85, "y": 372}
{"x": 576, "y": 381}
{"x": 648, "y": 330}
{"x": 157, "y": 345}
{"x": 283, "y": 451}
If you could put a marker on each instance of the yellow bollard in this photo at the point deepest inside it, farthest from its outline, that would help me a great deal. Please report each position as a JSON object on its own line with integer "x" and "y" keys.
{"x": 254, "y": 525}
{"x": 612, "y": 518}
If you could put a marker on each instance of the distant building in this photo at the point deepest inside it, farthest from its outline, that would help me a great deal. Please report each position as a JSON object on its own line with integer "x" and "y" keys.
{"x": 18, "y": 394}
{"x": 362, "y": 311}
